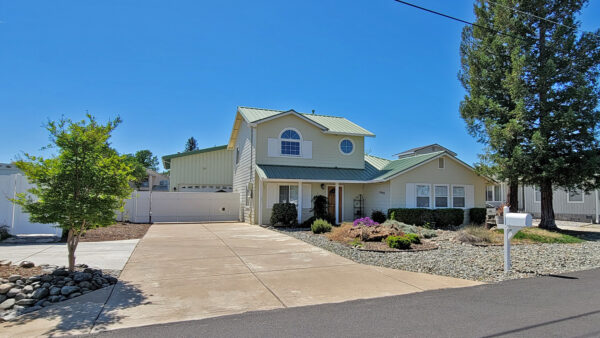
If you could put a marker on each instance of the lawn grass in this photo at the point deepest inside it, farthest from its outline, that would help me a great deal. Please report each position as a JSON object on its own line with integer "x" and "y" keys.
{"x": 537, "y": 235}
{"x": 524, "y": 236}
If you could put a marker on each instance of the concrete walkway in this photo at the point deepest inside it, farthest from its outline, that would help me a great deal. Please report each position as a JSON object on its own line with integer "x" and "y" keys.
{"x": 105, "y": 255}
{"x": 193, "y": 271}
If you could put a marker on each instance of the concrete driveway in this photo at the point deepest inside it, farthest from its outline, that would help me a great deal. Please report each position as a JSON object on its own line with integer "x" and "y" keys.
{"x": 105, "y": 255}
{"x": 182, "y": 272}
{"x": 192, "y": 271}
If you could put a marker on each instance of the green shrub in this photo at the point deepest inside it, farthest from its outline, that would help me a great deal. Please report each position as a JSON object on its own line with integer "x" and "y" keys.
{"x": 320, "y": 226}
{"x": 284, "y": 214}
{"x": 413, "y": 238}
{"x": 378, "y": 216}
{"x": 410, "y": 229}
{"x": 422, "y": 216}
{"x": 320, "y": 207}
{"x": 4, "y": 234}
{"x": 398, "y": 242}
{"x": 477, "y": 215}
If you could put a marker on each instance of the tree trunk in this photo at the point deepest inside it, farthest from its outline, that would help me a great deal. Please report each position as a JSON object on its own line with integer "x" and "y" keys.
{"x": 547, "y": 210}
{"x": 72, "y": 241}
{"x": 512, "y": 197}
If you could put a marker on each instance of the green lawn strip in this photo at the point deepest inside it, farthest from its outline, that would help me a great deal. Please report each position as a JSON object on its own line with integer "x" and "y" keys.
{"x": 550, "y": 237}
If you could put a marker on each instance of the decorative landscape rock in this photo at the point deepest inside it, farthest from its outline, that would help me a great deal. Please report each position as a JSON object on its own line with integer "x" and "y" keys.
{"x": 20, "y": 295}
{"x": 26, "y": 264}
{"x": 373, "y": 233}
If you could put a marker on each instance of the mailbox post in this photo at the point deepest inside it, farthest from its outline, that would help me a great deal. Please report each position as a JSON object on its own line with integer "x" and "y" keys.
{"x": 513, "y": 222}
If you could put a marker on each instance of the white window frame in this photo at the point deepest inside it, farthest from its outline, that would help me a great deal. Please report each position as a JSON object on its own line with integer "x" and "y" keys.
{"x": 576, "y": 202}
{"x": 289, "y": 191}
{"x": 340, "y": 146}
{"x": 493, "y": 193}
{"x": 464, "y": 197}
{"x": 447, "y": 196}
{"x": 417, "y": 195}
{"x": 300, "y": 141}
{"x": 535, "y": 200}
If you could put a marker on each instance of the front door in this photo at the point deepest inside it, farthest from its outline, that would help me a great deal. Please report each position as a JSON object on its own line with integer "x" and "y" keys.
{"x": 331, "y": 201}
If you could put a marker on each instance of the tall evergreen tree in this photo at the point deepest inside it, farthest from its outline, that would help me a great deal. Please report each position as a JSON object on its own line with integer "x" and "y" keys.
{"x": 560, "y": 73}
{"x": 191, "y": 144}
{"x": 551, "y": 82}
{"x": 493, "y": 106}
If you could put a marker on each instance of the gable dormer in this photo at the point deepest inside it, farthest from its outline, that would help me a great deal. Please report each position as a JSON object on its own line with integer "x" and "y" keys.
{"x": 297, "y": 139}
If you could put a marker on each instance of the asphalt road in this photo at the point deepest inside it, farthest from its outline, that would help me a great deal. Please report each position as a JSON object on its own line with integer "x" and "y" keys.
{"x": 553, "y": 306}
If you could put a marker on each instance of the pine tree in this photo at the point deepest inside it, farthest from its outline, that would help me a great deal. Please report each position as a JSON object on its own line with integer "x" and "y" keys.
{"x": 191, "y": 144}
{"x": 493, "y": 107}
{"x": 560, "y": 75}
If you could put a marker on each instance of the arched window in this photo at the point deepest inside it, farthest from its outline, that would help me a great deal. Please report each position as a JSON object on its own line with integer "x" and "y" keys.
{"x": 290, "y": 142}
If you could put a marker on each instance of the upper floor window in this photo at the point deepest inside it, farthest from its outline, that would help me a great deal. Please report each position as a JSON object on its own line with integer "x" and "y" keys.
{"x": 346, "y": 146}
{"x": 290, "y": 142}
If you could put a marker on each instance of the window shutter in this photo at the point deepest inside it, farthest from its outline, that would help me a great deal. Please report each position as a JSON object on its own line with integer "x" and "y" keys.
{"x": 306, "y": 149}
{"x": 469, "y": 196}
{"x": 411, "y": 196}
{"x": 272, "y": 194}
{"x": 306, "y": 196}
{"x": 273, "y": 147}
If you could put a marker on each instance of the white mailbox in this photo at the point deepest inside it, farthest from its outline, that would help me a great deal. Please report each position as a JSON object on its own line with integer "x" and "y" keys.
{"x": 513, "y": 222}
{"x": 518, "y": 220}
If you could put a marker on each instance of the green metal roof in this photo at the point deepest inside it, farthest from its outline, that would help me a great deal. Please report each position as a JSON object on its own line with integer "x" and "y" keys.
{"x": 167, "y": 158}
{"x": 331, "y": 124}
{"x": 376, "y": 169}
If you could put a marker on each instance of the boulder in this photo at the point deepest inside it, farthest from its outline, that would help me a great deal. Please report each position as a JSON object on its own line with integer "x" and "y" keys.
{"x": 60, "y": 272}
{"x": 67, "y": 290}
{"x": 54, "y": 299}
{"x": 373, "y": 233}
{"x": 7, "y": 304}
{"x": 74, "y": 294}
{"x": 85, "y": 285}
{"x": 5, "y": 262}
{"x": 4, "y": 288}
{"x": 33, "y": 279}
{"x": 13, "y": 292}
{"x": 31, "y": 309}
{"x": 54, "y": 291}
{"x": 82, "y": 276}
{"x": 3, "y": 298}
{"x": 28, "y": 289}
{"x": 20, "y": 296}
{"x": 14, "y": 278}
{"x": 46, "y": 278}
{"x": 40, "y": 293}
{"x": 26, "y": 302}
{"x": 26, "y": 264}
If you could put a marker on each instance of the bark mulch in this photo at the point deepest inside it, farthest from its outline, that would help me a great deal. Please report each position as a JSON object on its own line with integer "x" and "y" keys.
{"x": 116, "y": 232}
{"x": 9, "y": 270}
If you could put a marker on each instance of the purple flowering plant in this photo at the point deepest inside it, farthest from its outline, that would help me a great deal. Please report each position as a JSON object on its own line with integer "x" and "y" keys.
{"x": 365, "y": 221}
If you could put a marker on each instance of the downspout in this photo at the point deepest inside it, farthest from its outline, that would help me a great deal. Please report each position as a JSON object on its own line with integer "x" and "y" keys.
{"x": 597, "y": 207}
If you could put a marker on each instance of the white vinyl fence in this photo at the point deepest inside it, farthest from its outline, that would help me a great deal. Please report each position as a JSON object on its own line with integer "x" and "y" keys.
{"x": 11, "y": 215}
{"x": 181, "y": 207}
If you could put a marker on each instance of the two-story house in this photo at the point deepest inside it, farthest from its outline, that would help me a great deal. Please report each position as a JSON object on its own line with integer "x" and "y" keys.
{"x": 286, "y": 156}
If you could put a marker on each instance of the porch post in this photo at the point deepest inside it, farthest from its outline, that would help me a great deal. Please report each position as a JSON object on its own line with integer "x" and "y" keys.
{"x": 299, "y": 202}
{"x": 337, "y": 202}
{"x": 260, "y": 193}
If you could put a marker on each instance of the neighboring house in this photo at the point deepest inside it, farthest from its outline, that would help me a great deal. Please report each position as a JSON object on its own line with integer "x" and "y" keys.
{"x": 204, "y": 170}
{"x": 157, "y": 181}
{"x": 9, "y": 169}
{"x": 572, "y": 205}
{"x": 424, "y": 150}
{"x": 286, "y": 156}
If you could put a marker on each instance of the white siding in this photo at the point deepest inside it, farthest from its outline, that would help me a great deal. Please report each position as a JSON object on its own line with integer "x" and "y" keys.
{"x": 377, "y": 197}
{"x": 563, "y": 210}
{"x": 242, "y": 172}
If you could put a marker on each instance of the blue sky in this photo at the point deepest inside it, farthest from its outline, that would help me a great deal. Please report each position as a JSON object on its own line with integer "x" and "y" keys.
{"x": 175, "y": 69}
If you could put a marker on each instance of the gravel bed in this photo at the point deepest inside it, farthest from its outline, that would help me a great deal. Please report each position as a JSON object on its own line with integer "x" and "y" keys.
{"x": 467, "y": 261}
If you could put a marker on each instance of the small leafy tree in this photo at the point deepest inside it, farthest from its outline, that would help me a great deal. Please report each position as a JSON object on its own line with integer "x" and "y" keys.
{"x": 191, "y": 144}
{"x": 81, "y": 187}
{"x": 138, "y": 173}
{"x": 147, "y": 159}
